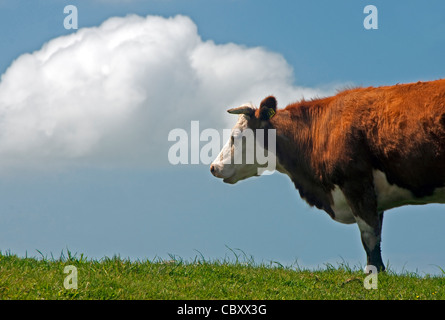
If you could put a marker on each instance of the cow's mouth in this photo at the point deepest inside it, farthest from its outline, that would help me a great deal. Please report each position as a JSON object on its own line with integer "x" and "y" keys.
{"x": 236, "y": 177}
{"x": 230, "y": 180}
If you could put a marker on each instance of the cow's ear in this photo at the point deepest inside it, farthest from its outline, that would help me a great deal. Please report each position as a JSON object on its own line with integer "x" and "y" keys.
{"x": 268, "y": 108}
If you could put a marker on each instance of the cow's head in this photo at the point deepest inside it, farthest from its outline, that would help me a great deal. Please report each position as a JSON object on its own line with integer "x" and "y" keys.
{"x": 239, "y": 159}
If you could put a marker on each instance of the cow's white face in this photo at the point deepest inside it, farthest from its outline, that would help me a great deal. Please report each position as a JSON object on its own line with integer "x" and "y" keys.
{"x": 236, "y": 161}
{"x": 243, "y": 155}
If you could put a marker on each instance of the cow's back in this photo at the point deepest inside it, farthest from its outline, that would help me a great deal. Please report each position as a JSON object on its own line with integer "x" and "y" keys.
{"x": 402, "y": 128}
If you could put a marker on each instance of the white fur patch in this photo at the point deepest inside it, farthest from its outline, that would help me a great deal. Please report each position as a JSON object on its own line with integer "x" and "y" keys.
{"x": 341, "y": 208}
{"x": 391, "y": 196}
{"x": 223, "y": 164}
{"x": 368, "y": 234}
{"x": 388, "y": 196}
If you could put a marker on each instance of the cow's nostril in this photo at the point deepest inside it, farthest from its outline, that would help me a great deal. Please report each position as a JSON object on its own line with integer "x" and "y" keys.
{"x": 212, "y": 169}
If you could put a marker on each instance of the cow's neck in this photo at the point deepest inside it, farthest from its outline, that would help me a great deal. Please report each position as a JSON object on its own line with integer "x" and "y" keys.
{"x": 294, "y": 157}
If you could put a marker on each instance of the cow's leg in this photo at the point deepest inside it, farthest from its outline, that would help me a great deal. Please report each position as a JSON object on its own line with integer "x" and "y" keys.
{"x": 371, "y": 239}
{"x": 363, "y": 202}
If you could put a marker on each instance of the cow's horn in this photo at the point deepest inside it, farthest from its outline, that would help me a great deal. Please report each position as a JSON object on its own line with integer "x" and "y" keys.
{"x": 248, "y": 110}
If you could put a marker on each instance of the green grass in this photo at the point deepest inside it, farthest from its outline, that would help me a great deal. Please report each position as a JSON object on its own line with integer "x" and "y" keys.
{"x": 117, "y": 278}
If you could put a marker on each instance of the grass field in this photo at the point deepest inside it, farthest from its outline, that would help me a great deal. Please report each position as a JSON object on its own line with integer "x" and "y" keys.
{"x": 117, "y": 278}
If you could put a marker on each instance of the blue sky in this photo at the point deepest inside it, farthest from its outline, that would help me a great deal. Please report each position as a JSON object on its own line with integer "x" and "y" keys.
{"x": 96, "y": 184}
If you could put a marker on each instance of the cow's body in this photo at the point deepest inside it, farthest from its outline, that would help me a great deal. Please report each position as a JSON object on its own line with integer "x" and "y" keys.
{"x": 361, "y": 152}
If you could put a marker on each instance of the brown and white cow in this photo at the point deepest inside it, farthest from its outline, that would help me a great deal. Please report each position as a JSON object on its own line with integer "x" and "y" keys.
{"x": 355, "y": 154}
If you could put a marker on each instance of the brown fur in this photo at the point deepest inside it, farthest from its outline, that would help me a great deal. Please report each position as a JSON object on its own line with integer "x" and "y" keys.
{"x": 399, "y": 130}
{"x": 339, "y": 140}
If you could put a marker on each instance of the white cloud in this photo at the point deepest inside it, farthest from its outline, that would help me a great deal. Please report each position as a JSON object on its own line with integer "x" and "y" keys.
{"x": 109, "y": 95}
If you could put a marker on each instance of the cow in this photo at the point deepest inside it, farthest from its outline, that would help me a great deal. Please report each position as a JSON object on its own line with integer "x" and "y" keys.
{"x": 354, "y": 155}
